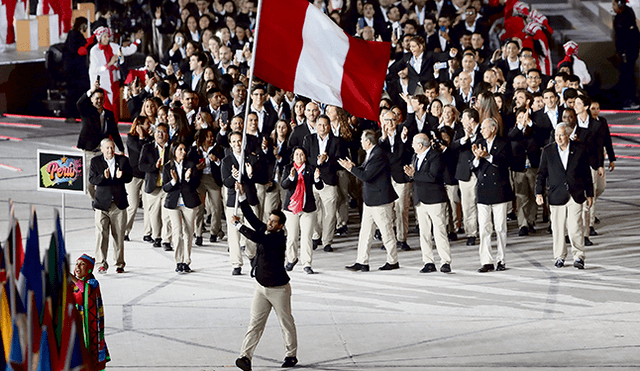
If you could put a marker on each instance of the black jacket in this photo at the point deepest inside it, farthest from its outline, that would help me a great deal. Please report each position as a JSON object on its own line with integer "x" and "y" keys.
{"x": 493, "y": 185}
{"x": 428, "y": 185}
{"x": 329, "y": 168}
{"x": 134, "y": 147}
{"x": 91, "y": 133}
{"x": 290, "y": 186}
{"x": 376, "y": 179}
{"x": 183, "y": 187}
{"x": 563, "y": 184}
{"x": 111, "y": 189}
{"x": 147, "y": 162}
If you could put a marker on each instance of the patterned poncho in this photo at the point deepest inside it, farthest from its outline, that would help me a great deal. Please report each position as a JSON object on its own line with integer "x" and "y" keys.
{"x": 89, "y": 304}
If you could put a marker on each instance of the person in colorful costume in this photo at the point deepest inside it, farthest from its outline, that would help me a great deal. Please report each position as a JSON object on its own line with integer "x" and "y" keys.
{"x": 88, "y": 300}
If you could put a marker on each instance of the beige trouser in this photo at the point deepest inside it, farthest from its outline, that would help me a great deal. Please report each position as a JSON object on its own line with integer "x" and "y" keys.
{"x": 433, "y": 215}
{"x": 499, "y": 212}
{"x": 211, "y": 198}
{"x": 267, "y": 201}
{"x": 234, "y": 238}
{"x": 342, "y": 216}
{"x": 301, "y": 224}
{"x": 401, "y": 209}
{"x": 134, "y": 192}
{"x": 265, "y": 298}
{"x": 469, "y": 205}
{"x": 382, "y": 217}
{"x": 571, "y": 214}
{"x": 587, "y": 212}
{"x": 525, "y": 188}
{"x": 453, "y": 208}
{"x": 326, "y": 204}
{"x": 599, "y": 184}
{"x": 88, "y": 155}
{"x": 182, "y": 219}
{"x": 159, "y": 221}
{"x": 114, "y": 219}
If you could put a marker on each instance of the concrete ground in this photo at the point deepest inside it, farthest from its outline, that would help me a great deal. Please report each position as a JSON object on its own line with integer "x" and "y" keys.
{"x": 531, "y": 316}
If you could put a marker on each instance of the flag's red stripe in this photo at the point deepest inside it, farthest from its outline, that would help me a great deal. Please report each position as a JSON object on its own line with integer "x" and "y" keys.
{"x": 280, "y": 41}
{"x": 363, "y": 80}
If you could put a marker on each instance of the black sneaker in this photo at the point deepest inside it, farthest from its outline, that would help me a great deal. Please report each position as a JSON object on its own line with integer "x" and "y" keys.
{"x": 167, "y": 246}
{"x": 126, "y": 237}
{"x": 579, "y": 264}
{"x": 157, "y": 242}
{"x": 471, "y": 241}
{"x": 559, "y": 263}
{"x": 428, "y": 268}
{"x": 316, "y": 243}
{"x": 179, "y": 268}
{"x": 147, "y": 239}
{"x": 445, "y": 268}
{"x": 377, "y": 236}
{"x": 185, "y": 268}
{"x": 328, "y": 248}
{"x": 592, "y": 232}
{"x": 236, "y": 271}
{"x": 289, "y": 362}
{"x": 213, "y": 238}
{"x": 198, "y": 241}
{"x": 342, "y": 231}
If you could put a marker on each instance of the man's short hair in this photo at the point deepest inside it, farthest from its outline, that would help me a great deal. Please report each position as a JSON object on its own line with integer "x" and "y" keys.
{"x": 569, "y": 93}
{"x": 585, "y": 100}
{"x": 550, "y": 90}
{"x": 563, "y": 75}
{"x": 422, "y": 100}
{"x": 371, "y": 136}
{"x": 472, "y": 113}
{"x": 202, "y": 58}
{"x": 574, "y": 78}
{"x": 281, "y": 217}
{"x": 324, "y": 117}
{"x": 535, "y": 70}
{"x": 491, "y": 121}
{"x": 431, "y": 84}
{"x": 98, "y": 90}
{"x": 234, "y": 133}
{"x": 163, "y": 88}
{"x": 422, "y": 139}
{"x": 563, "y": 125}
{"x": 105, "y": 141}
{"x": 212, "y": 91}
{"x": 187, "y": 91}
{"x": 272, "y": 90}
{"x": 430, "y": 16}
{"x": 258, "y": 87}
{"x": 162, "y": 125}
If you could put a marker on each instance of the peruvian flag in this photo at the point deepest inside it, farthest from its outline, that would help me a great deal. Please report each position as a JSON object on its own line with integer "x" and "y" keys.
{"x": 300, "y": 49}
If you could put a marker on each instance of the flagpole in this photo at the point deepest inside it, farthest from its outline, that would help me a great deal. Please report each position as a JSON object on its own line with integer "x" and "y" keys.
{"x": 12, "y": 271}
{"x": 247, "y": 105}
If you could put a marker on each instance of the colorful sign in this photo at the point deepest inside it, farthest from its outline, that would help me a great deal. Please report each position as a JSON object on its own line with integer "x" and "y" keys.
{"x": 62, "y": 172}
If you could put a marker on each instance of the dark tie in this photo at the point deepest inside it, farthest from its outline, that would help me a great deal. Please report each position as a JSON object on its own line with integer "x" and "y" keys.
{"x": 415, "y": 162}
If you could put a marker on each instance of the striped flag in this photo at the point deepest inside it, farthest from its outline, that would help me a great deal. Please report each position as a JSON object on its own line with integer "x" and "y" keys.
{"x": 31, "y": 274}
{"x": 300, "y": 49}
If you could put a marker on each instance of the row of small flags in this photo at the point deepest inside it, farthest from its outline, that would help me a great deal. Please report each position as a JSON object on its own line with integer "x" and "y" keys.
{"x": 40, "y": 328}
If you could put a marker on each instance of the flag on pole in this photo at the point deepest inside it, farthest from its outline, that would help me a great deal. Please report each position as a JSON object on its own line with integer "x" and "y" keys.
{"x": 5, "y": 322}
{"x": 44, "y": 357}
{"x": 300, "y": 49}
{"x": 31, "y": 273}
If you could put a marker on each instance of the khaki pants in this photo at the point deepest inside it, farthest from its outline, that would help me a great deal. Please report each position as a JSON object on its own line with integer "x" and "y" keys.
{"x": 182, "y": 219}
{"x": 134, "y": 192}
{"x": 159, "y": 221}
{"x": 469, "y": 205}
{"x": 382, "y": 217}
{"x": 571, "y": 214}
{"x": 453, "y": 208}
{"x": 114, "y": 219}
{"x": 433, "y": 215}
{"x": 265, "y": 298}
{"x": 267, "y": 201}
{"x": 342, "y": 216}
{"x": 302, "y": 225}
{"x": 401, "y": 209}
{"x": 211, "y": 198}
{"x": 599, "y": 185}
{"x": 588, "y": 213}
{"x": 499, "y": 212}
{"x": 234, "y": 238}
{"x": 326, "y": 203}
{"x": 525, "y": 189}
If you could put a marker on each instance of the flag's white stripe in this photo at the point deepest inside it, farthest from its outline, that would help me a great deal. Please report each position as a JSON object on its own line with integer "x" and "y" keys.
{"x": 320, "y": 66}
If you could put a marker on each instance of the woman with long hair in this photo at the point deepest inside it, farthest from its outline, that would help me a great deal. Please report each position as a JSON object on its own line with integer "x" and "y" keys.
{"x": 281, "y": 151}
{"x": 487, "y": 108}
{"x": 139, "y": 135}
{"x": 150, "y": 111}
{"x": 179, "y": 129}
{"x": 300, "y": 208}
{"x": 180, "y": 179}
{"x": 451, "y": 118}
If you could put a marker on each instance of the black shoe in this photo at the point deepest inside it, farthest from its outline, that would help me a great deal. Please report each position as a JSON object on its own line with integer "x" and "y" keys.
{"x": 566, "y": 239}
{"x": 512, "y": 216}
{"x": 446, "y": 268}
{"x": 545, "y": 218}
{"x": 358, "y": 267}
{"x": 579, "y": 264}
{"x": 587, "y": 242}
{"x": 119, "y": 270}
{"x": 179, "y": 268}
{"x": 389, "y": 267}
{"x": 289, "y": 266}
{"x": 592, "y": 232}
{"x": 308, "y": 270}
{"x": 428, "y": 268}
{"x": 289, "y": 362}
{"x": 208, "y": 220}
{"x": 126, "y": 237}
{"x": 198, "y": 241}
{"x": 471, "y": 241}
{"x": 486, "y": 268}
{"x": 185, "y": 268}
{"x": 524, "y": 231}
{"x": 402, "y": 245}
{"x": 157, "y": 242}
{"x": 236, "y": 271}
{"x": 501, "y": 267}
{"x": 377, "y": 236}
{"x": 148, "y": 239}
{"x": 316, "y": 243}
{"x": 213, "y": 238}
{"x": 342, "y": 231}
{"x": 549, "y": 231}
{"x": 244, "y": 363}
{"x": 453, "y": 236}
{"x": 532, "y": 228}
{"x": 559, "y": 263}
{"x": 596, "y": 220}
{"x": 167, "y": 246}
{"x": 328, "y": 248}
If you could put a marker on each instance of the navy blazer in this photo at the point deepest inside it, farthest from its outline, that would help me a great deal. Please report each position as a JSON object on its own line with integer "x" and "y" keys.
{"x": 465, "y": 156}
{"x": 428, "y": 184}
{"x": 376, "y": 179}
{"x": 329, "y": 168}
{"x": 309, "y": 181}
{"x": 112, "y": 189}
{"x": 147, "y": 162}
{"x": 561, "y": 183}
{"x": 493, "y": 185}
{"x": 400, "y": 156}
{"x": 91, "y": 132}
{"x": 196, "y": 155}
{"x": 183, "y": 187}
{"x": 230, "y": 182}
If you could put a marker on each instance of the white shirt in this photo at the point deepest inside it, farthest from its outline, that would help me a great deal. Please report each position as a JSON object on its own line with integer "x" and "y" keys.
{"x": 421, "y": 14}
{"x": 368, "y": 154}
{"x": 322, "y": 144}
{"x": 312, "y": 130}
{"x": 260, "y": 115}
{"x": 195, "y": 79}
{"x": 111, "y": 164}
{"x": 421, "y": 158}
{"x": 513, "y": 65}
{"x": 564, "y": 156}
{"x": 416, "y": 63}
{"x": 443, "y": 41}
{"x": 583, "y": 124}
{"x": 420, "y": 121}
{"x": 476, "y": 162}
{"x": 392, "y": 140}
{"x": 553, "y": 116}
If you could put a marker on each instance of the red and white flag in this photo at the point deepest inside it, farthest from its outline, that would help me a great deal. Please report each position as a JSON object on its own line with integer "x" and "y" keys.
{"x": 300, "y": 49}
